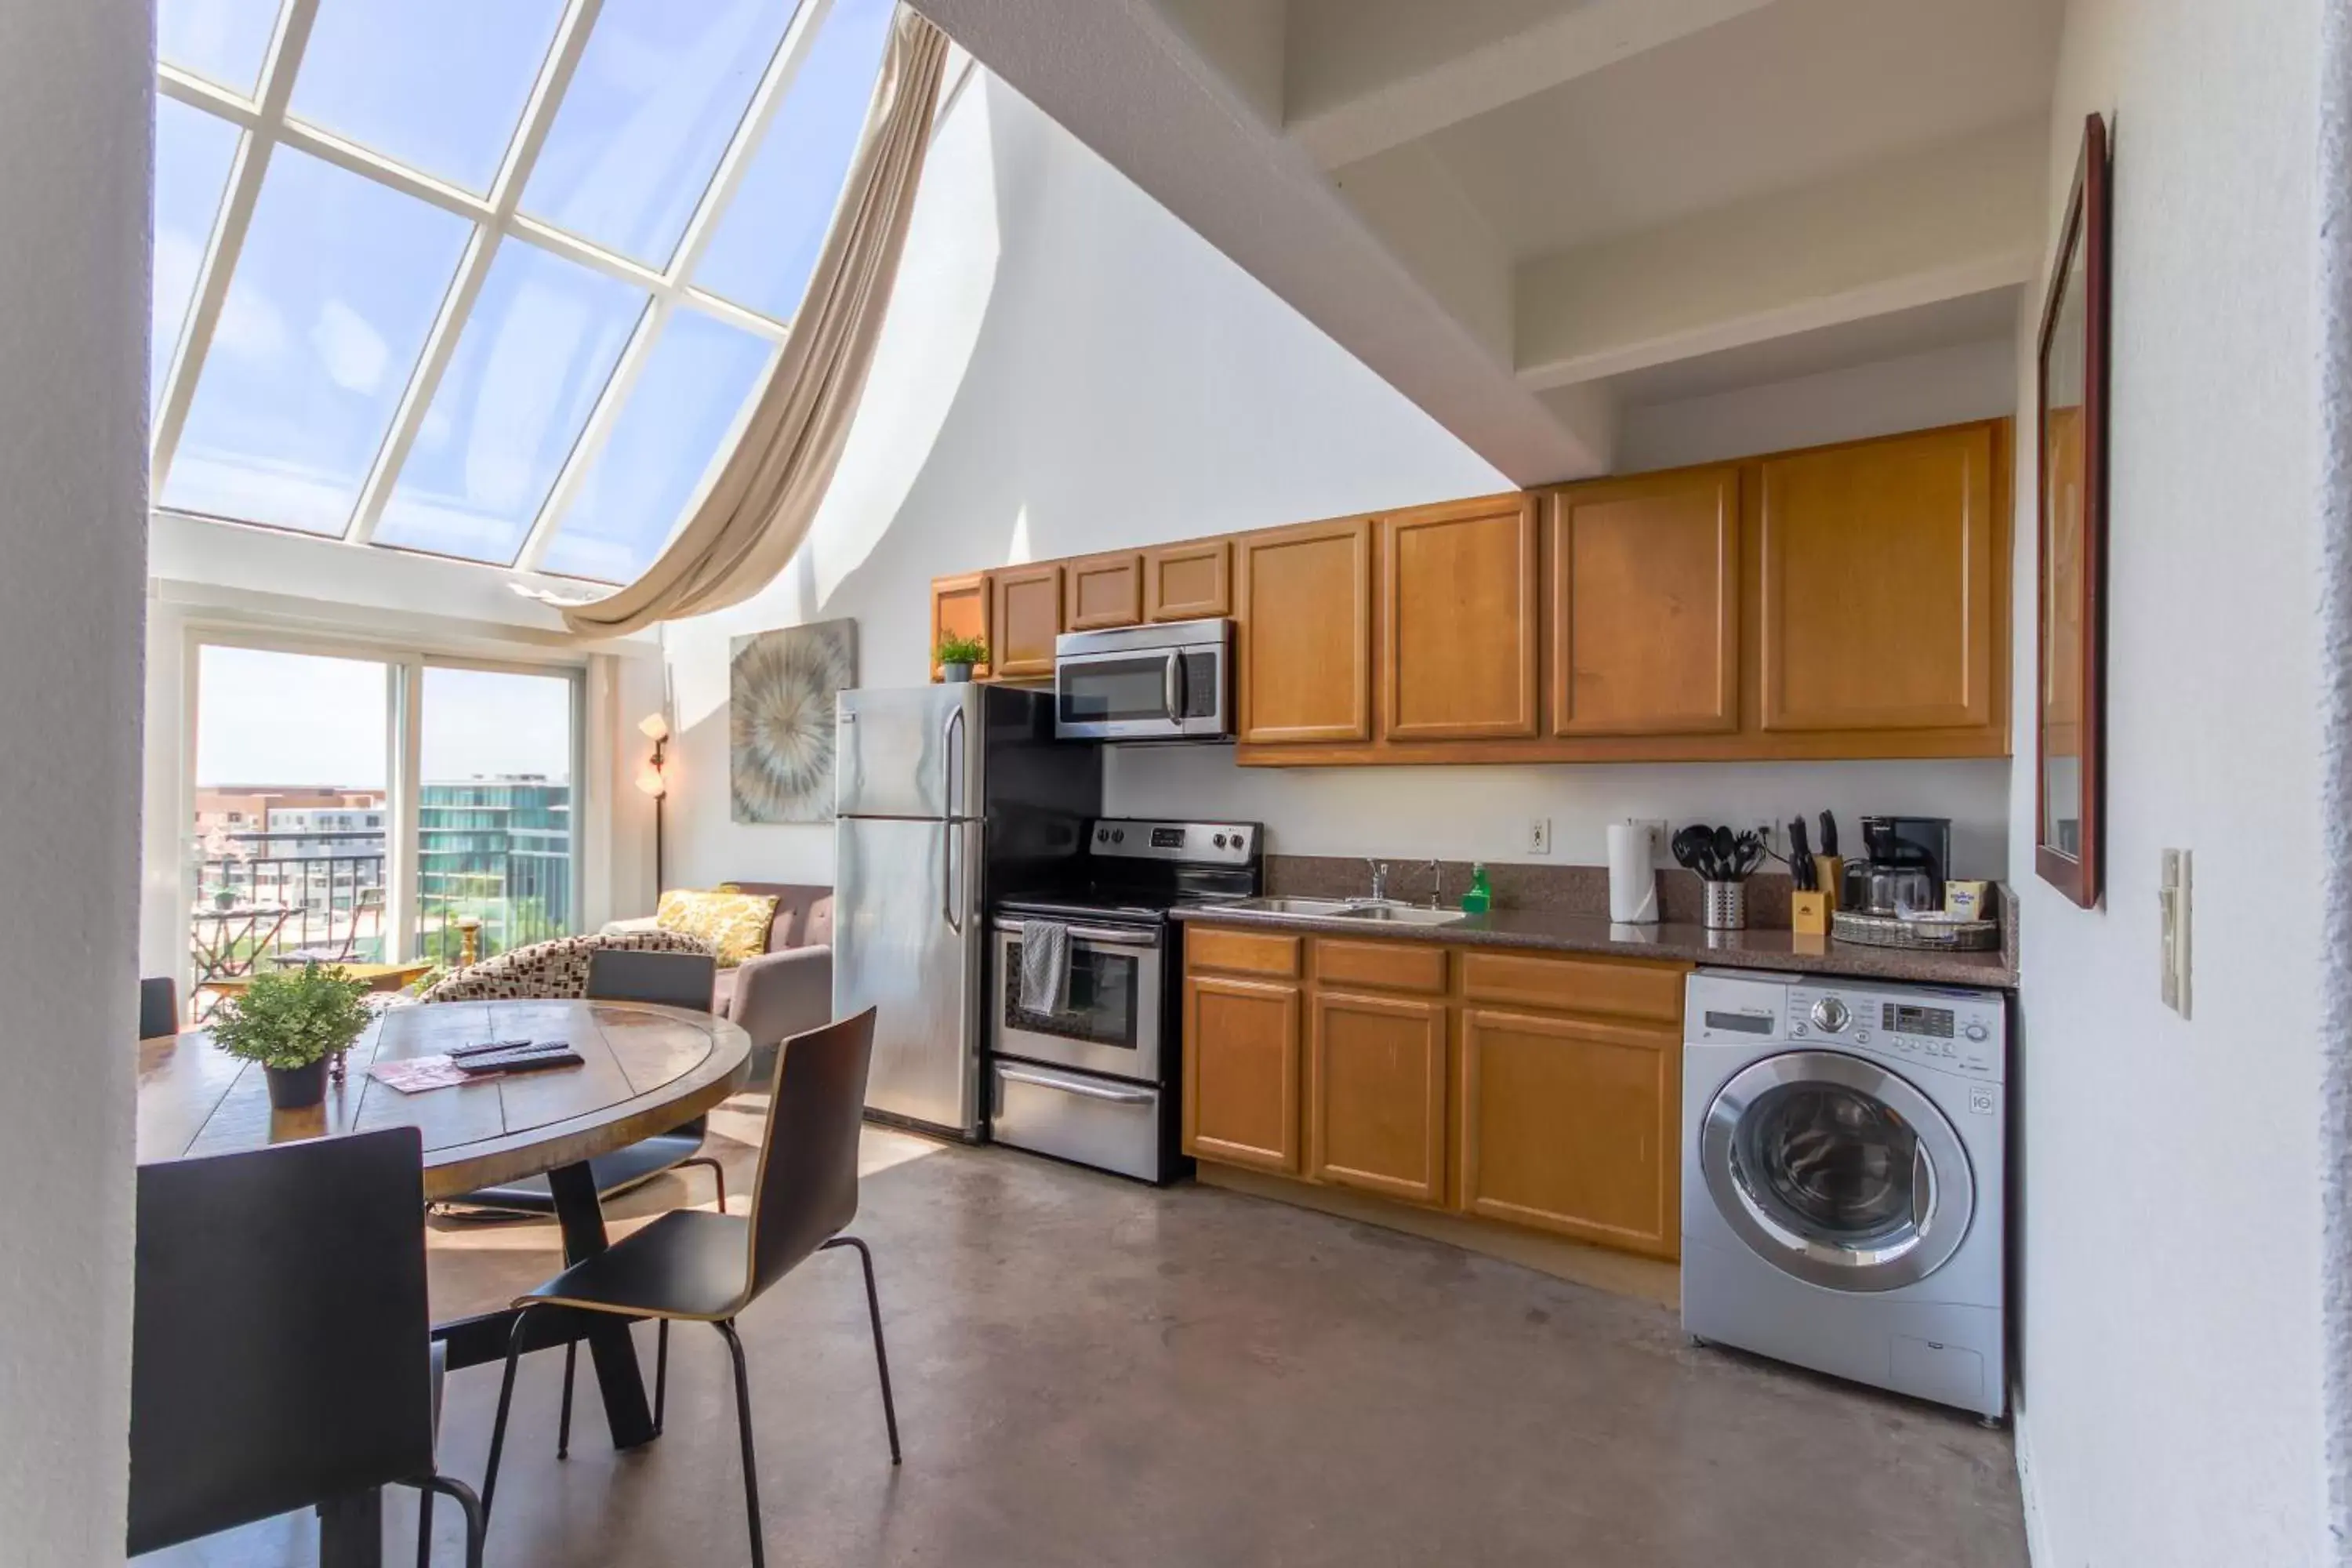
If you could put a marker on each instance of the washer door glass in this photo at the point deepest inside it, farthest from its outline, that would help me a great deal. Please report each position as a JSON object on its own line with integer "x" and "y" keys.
{"x": 1837, "y": 1170}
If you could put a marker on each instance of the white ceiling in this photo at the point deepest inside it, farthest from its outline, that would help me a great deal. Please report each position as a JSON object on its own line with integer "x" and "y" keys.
{"x": 1526, "y": 213}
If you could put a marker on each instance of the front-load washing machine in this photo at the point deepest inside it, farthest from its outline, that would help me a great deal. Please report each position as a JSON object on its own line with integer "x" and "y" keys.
{"x": 1843, "y": 1175}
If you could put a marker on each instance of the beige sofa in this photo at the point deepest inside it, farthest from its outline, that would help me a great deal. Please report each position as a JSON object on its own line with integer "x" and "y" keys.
{"x": 788, "y": 988}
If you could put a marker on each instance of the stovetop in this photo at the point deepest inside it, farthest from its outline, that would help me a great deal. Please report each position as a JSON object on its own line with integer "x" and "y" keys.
{"x": 1136, "y": 871}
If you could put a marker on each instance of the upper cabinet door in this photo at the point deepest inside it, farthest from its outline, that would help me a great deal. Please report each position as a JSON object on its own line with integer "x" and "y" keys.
{"x": 1028, "y": 612}
{"x": 1188, "y": 582}
{"x": 1099, "y": 592}
{"x": 1645, "y": 604}
{"x": 959, "y": 609}
{"x": 1459, "y": 656}
{"x": 1305, "y": 642}
{"x": 1881, "y": 583}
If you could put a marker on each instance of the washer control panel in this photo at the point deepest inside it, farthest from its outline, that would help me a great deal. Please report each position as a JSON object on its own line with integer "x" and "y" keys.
{"x": 1958, "y": 1031}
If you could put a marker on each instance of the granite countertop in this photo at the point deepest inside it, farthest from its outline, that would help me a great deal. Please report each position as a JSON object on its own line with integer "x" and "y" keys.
{"x": 1556, "y": 930}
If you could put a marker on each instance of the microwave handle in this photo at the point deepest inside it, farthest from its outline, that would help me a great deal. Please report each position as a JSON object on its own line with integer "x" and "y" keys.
{"x": 1171, "y": 686}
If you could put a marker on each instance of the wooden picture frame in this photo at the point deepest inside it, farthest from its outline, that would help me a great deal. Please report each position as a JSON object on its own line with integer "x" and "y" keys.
{"x": 2071, "y": 540}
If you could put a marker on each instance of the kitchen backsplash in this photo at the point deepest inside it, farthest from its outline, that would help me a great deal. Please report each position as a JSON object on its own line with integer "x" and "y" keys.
{"x": 1564, "y": 889}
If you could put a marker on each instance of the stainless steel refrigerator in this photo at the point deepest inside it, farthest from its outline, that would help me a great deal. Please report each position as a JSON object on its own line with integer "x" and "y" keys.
{"x": 946, "y": 796}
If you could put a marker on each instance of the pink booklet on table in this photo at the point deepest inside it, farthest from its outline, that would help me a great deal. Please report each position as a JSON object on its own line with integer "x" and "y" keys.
{"x": 418, "y": 1074}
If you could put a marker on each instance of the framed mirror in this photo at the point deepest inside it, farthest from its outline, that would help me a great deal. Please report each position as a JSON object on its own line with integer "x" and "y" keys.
{"x": 2070, "y": 710}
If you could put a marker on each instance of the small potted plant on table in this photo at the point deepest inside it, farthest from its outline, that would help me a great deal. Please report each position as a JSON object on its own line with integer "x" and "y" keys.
{"x": 957, "y": 654}
{"x": 292, "y": 1021}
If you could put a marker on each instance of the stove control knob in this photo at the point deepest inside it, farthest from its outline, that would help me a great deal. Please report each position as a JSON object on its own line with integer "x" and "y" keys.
{"x": 1829, "y": 1014}
{"x": 1976, "y": 1032}
{"x": 1102, "y": 835}
{"x": 1221, "y": 841}
{"x": 1118, "y": 835}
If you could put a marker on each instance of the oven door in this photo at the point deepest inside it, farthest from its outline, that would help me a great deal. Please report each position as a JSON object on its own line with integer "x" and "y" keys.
{"x": 1111, "y": 1024}
{"x": 1142, "y": 694}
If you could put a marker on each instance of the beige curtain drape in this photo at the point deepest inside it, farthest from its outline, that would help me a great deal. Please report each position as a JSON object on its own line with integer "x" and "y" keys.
{"x": 758, "y": 510}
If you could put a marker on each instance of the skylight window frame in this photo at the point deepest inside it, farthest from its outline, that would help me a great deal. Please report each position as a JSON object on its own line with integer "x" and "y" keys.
{"x": 265, "y": 124}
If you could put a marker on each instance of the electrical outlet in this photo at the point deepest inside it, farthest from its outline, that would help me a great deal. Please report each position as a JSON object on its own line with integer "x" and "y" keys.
{"x": 1657, "y": 826}
{"x": 1538, "y": 835}
{"x": 2173, "y": 883}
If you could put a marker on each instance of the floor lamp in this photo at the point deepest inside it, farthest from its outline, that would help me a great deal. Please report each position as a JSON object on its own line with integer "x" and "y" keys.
{"x": 656, "y": 728}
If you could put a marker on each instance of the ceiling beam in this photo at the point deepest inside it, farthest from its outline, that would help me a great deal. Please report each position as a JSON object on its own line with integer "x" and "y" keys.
{"x": 1340, "y": 122}
{"x": 1959, "y": 220}
{"x": 1130, "y": 83}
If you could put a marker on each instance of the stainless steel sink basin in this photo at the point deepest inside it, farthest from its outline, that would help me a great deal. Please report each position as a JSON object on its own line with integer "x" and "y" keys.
{"x": 1385, "y": 910}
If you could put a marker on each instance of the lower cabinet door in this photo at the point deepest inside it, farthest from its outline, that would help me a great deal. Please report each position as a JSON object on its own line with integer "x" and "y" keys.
{"x": 1574, "y": 1127}
{"x": 1376, "y": 1095}
{"x": 1241, "y": 1072}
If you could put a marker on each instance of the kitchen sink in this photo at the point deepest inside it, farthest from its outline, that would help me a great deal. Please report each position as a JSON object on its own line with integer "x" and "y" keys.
{"x": 1384, "y": 909}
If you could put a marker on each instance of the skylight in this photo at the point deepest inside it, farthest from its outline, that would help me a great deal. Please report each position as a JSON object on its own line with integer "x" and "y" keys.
{"x": 493, "y": 281}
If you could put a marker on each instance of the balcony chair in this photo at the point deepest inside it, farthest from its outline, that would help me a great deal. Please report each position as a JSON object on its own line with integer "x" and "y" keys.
{"x": 692, "y": 1265}
{"x": 280, "y": 1351}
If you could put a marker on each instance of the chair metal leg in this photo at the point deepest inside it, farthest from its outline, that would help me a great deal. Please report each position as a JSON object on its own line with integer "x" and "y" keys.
{"x": 498, "y": 1423}
{"x": 718, "y": 1175}
{"x": 476, "y": 1518}
{"x": 661, "y": 1369}
{"x": 881, "y": 1356}
{"x": 563, "y": 1421}
{"x": 751, "y": 1463}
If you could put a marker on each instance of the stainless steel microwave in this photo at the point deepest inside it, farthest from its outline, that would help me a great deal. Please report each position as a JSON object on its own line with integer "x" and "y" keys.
{"x": 1167, "y": 682}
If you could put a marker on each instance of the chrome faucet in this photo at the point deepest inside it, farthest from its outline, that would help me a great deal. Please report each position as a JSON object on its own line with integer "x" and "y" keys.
{"x": 1436, "y": 883}
{"x": 1379, "y": 878}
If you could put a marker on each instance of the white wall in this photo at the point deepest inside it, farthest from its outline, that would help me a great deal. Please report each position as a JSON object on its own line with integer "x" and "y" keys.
{"x": 73, "y": 129}
{"x": 1068, "y": 368}
{"x": 2170, "y": 1358}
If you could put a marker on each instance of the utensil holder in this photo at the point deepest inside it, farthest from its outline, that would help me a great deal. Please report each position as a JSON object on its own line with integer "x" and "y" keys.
{"x": 1727, "y": 906}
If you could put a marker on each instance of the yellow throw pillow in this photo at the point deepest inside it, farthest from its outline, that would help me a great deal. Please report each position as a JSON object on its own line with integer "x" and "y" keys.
{"x": 735, "y": 924}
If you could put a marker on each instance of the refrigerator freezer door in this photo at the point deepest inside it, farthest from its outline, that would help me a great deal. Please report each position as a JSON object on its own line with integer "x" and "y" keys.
{"x": 906, "y": 942}
{"x": 911, "y": 752}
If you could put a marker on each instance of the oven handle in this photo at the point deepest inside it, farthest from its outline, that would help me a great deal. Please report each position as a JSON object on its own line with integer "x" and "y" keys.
{"x": 1078, "y": 1087}
{"x": 1093, "y": 933}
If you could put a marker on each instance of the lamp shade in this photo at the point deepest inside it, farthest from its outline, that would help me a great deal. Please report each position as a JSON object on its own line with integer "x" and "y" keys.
{"x": 652, "y": 782}
{"x": 653, "y": 727}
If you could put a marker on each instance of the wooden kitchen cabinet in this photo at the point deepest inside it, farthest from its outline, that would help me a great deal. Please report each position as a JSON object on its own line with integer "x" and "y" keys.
{"x": 1305, "y": 660}
{"x": 1188, "y": 582}
{"x": 1644, "y": 605}
{"x": 960, "y": 608}
{"x": 1027, "y": 606}
{"x": 1102, "y": 592}
{"x": 1883, "y": 589}
{"x": 1459, "y": 656}
{"x": 1241, "y": 1071}
{"x": 1572, "y": 1125}
{"x": 1376, "y": 1106}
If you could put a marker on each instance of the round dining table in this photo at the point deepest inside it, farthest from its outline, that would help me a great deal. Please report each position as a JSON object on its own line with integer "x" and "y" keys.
{"x": 644, "y": 1069}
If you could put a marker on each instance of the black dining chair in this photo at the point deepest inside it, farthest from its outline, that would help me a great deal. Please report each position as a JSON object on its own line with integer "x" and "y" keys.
{"x": 280, "y": 1348}
{"x": 692, "y": 1265}
{"x": 620, "y": 975}
{"x": 159, "y": 1008}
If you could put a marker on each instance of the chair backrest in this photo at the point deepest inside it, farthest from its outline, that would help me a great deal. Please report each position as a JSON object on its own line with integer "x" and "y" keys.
{"x": 159, "y": 1008}
{"x": 806, "y": 1190}
{"x": 279, "y": 1348}
{"x": 672, "y": 979}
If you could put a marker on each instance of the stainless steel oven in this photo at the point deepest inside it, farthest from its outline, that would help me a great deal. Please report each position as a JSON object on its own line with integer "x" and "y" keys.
{"x": 1112, "y": 1021}
{"x": 1167, "y": 682}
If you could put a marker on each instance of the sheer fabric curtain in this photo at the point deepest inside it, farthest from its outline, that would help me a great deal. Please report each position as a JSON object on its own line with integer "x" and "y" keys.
{"x": 760, "y": 507}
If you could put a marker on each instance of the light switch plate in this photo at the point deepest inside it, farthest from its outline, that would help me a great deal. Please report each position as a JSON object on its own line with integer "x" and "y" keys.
{"x": 1539, "y": 836}
{"x": 2172, "y": 898}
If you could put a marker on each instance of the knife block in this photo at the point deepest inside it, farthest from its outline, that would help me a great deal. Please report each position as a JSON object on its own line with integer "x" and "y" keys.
{"x": 1808, "y": 913}
{"x": 1829, "y": 877}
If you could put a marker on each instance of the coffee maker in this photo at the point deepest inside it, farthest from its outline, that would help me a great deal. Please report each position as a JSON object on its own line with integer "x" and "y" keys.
{"x": 1908, "y": 858}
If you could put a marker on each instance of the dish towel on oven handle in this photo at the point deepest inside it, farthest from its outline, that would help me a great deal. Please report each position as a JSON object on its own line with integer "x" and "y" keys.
{"x": 1044, "y": 966}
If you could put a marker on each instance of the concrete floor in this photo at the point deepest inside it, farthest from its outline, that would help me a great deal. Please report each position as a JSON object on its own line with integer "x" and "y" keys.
{"x": 1090, "y": 1372}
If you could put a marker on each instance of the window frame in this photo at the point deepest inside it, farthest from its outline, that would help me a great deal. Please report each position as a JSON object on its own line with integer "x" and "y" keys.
{"x": 264, "y": 123}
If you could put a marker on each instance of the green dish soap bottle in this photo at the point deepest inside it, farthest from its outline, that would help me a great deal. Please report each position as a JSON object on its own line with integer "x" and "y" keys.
{"x": 1481, "y": 895}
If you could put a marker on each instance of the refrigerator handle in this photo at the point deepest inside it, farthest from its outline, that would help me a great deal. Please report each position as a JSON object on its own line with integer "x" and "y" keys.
{"x": 951, "y": 895}
{"x": 949, "y": 774}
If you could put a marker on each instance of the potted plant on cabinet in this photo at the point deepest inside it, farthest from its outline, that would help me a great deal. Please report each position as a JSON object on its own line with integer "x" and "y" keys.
{"x": 957, "y": 654}
{"x": 292, "y": 1021}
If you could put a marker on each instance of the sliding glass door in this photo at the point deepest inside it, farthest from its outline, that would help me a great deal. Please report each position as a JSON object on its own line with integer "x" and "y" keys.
{"x": 364, "y": 810}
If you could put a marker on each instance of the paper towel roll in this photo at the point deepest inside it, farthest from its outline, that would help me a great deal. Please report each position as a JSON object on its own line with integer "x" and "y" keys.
{"x": 1632, "y": 881}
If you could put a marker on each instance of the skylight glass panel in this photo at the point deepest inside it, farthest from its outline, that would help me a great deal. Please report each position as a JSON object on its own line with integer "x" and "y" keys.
{"x": 223, "y": 41}
{"x": 694, "y": 385}
{"x": 766, "y": 244}
{"x": 659, "y": 92}
{"x": 438, "y": 85}
{"x": 193, "y": 153}
{"x": 336, "y": 288}
{"x": 538, "y": 349}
